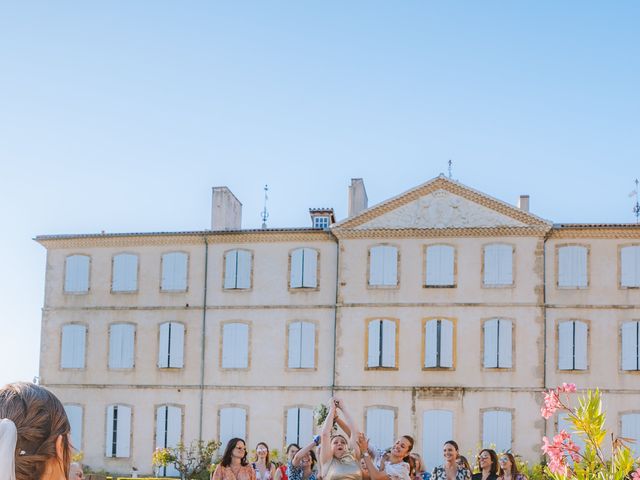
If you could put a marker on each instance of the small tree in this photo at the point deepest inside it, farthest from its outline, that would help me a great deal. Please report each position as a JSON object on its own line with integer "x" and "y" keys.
{"x": 192, "y": 461}
{"x": 566, "y": 461}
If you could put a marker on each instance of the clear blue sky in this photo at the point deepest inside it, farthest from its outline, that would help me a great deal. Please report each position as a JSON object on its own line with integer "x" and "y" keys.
{"x": 121, "y": 116}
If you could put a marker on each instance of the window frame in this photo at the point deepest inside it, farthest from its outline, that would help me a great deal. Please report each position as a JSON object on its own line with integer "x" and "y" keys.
{"x": 621, "y": 345}
{"x": 285, "y": 424}
{"x": 224, "y": 271}
{"x": 289, "y": 271}
{"x": 247, "y": 423}
{"x": 512, "y": 368}
{"x": 398, "y": 271}
{"x": 131, "y": 423}
{"x": 394, "y": 426}
{"x": 497, "y": 409}
{"x": 287, "y": 368}
{"x": 64, "y": 275}
{"x": 573, "y": 371}
{"x": 135, "y": 347}
{"x": 483, "y": 284}
{"x": 184, "y": 342}
{"x": 425, "y": 267}
{"x": 557, "y": 265}
{"x": 454, "y": 334}
{"x": 156, "y": 407}
{"x": 368, "y": 320}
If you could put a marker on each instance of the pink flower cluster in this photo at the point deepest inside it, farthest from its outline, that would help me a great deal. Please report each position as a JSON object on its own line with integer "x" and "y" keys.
{"x": 552, "y": 401}
{"x": 557, "y": 451}
{"x": 635, "y": 475}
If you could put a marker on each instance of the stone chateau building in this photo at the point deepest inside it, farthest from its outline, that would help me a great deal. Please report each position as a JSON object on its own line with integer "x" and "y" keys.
{"x": 440, "y": 313}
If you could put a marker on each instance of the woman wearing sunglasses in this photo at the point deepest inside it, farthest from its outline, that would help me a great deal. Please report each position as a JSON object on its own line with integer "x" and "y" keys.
{"x": 509, "y": 468}
{"x": 488, "y": 465}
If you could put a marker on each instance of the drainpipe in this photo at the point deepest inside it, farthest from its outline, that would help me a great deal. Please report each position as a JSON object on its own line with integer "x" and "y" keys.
{"x": 544, "y": 316}
{"x": 203, "y": 341}
{"x": 335, "y": 320}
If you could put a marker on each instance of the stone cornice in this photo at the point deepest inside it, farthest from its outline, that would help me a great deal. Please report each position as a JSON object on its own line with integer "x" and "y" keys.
{"x": 605, "y": 231}
{"x": 381, "y": 233}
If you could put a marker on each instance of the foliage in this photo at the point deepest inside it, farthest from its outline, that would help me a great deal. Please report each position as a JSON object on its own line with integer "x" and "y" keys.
{"x": 566, "y": 461}
{"x": 320, "y": 413}
{"x": 192, "y": 461}
{"x": 77, "y": 456}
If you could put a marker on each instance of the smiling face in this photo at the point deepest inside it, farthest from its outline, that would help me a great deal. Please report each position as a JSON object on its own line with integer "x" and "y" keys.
{"x": 449, "y": 453}
{"x": 484, "y": 460}
{"x": 262, "y": 451}
{"x": 505, "y": 463}
{"x": 338, "y": 446}
{"x": 401, "y": 448}
{"x": 291, "y": 452}
{"x": 240, "y": 450}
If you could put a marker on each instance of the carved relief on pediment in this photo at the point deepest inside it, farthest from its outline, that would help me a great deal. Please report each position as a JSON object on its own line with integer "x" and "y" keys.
{"x": 441, "y": 209}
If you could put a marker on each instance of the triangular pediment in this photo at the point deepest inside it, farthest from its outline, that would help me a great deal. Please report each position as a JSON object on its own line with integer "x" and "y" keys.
{"x": 438, "y": 204}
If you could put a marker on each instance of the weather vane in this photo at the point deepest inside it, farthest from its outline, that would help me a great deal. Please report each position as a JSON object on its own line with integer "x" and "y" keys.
{"x": 636, "y": 207}
{"x": 450, "y": 168}
{"x": 265, "y": 213}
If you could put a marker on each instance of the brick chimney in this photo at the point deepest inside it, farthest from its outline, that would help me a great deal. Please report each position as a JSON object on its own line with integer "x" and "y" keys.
{"x": 226, "y": 210}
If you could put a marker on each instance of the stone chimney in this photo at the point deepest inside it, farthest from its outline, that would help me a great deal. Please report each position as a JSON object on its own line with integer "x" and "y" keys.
{"x": 523, "y": 203}
{"x": 358, "y": 200}
{"x": 226, "y": 210}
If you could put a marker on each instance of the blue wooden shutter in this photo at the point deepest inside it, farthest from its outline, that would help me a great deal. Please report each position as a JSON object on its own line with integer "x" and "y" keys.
{"x": 437, "y": 428}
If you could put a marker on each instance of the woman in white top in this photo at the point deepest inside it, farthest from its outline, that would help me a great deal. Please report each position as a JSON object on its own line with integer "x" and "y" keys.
{"x": 265, "y": 470}
{"x": 395, "y": 466}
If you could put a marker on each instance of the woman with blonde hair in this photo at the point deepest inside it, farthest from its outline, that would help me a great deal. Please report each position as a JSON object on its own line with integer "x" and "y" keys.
{"x": 339, "y": 456}
{"x": 34, "y": 434}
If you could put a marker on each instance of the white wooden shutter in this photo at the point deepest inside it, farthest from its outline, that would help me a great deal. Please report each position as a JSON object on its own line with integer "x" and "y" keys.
{"x": 565, "y": 346}
{"x": 496, "y": 430}
{"x": 174, "y": 272}
{"x": 295, "y": 345}
{"x": 296, "y": 268}
{"x": 118, "y": 420}
{"x": 437, "y": 428}
{"x": 76, "y": 278}
{"x": 235, "y": 348}
{"x": 491, "y": 273}
{"x": 380, "y": 429}
{"x": 233, "y": 423}
{"x": 306, "y": 426}
{"x": 629, "y": 333}
{"x": 74, "y": 414}
{"x": 299, "y": 426}
{"x": 310, "y": 266}
{"x": 168, "y": 432}
{"x": 373, "y": 353}
{"x": 390, "y": 267}
{"x": 125, "y": 273}
{"x": 388, "y": 343}
{"x": 491, "y": 343}
{"x": 498, "y": 264}
{"x": 440, "y": 265}
{"x": 164, "y": 349}
{"x": 110, "y": 439}
{"x": 307, "y": 345}
{"x": 244, "y": 269}
{"x": 581, "y": 341}
{"x": 446, "y": 343}
{"x": 230, "y": 269}
{"x": 376, "y": 265}
{"x": 121, "y": 345}
{"x": 431, "y": 344}
{"x": 630, "y": 266}
{"x": 505, "y": 347}
{"x": 631, "y": 429}
{"x": 176, "y": 359}
{"x": 572, "y": 266}
{"x": 73, "y": 346}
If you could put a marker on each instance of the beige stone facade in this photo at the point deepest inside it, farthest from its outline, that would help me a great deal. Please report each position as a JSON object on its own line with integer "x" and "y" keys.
{"x": 461, "y": 350}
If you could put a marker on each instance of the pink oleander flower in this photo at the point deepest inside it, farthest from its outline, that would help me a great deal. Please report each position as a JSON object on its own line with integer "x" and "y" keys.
{"x": 636, "y": 475}
{"x": 551, "y": 403}
{"x": 558, "y": 449}
{"x": 567, "y": 388}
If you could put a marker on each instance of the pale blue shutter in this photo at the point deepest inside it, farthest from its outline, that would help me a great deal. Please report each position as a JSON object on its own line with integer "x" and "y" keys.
{"x": 110, "y": 438}
{"x": 498, "y": 265}
{"x": 121, "y": 345}
{"x": 572, "y": 266}
{"x": 631, "y": 429}
{"x": 565, "y": 346}
{"x": 163, "y": 350}
{"x": 73, "y": 346}
{"x": 230, "y": 265}
{"x": 630, "y": 266}
{"x": 308, "y": 345}
{"x": 581, "y": 340}
{"x": 296, "y": 268}
{"x": 505, "y": 347}
{"x": 295, "y": 345}
{"x": 431, "y": 344}
{"x": 235, "y": 348}
{"x": 388, "y": 343}
{"x": 446, "y": 343}
{"x": 125, "y": 273}
{"x": 630, "y": 340}
{"x": 299, "y": 426}
{"x": 118, "y": 441}
{"x": 491, "y": 344}
{"x": 244, "y": 269}
{"x": 437, "y": 428}
{"x": 496, "y": 430}
{"x": 76, "y": 279}
{"x": 491, "y": 272}
{"x": 233, "y": 423}
{"x": 390, "y": 266}
{"x": 310, "y": 267}
{"x": 373, "y": 353}
{"x": 168, "y": 432}
{"x": 380, "y": 429}
{"x": 174, "y": 272}
{"x": 177, "y": 345}
{"x": 440, "y": 265}
{"x": 306, "y": 426}
{"x": 74, "y": 414}
{"x": 376, "y": 265}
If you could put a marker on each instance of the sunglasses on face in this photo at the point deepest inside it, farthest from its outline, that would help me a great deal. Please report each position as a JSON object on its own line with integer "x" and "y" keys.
{"x": 503, "y": 460}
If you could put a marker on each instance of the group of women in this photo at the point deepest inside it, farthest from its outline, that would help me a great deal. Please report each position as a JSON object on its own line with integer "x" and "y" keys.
{"x": 346, "y": 454}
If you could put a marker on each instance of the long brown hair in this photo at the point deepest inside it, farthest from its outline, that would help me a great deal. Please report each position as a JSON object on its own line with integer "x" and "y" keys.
{"x": 40, "y": 419}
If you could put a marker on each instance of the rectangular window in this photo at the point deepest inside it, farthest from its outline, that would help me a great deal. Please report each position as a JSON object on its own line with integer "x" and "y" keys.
{"x": 118, "y": 441}
{"x": 237, "y": 270}
{"x": 498, "y": 265}
{"x": 302, "y": 345}
{"x": 437, "y": 428}
{"x": 572, "y": 266}
{"x": 496, "y": 430}
{"x": 630, "y": 266}
{"x": 299, "y": 426}
{"x": 382, "y": 344}
{"x": 440, "y": 266}
{"x": 383, "y": 266}
{"x": 321, "y": 222}
{"x": 572, "y": 345}
{"x": 168, "y": 433}
{"x": 630, "y": 333}
{"x": 497, "y": 343}
{"x": 73, "y": 346}
{"x": 174, "y": 272}
{"x": 171, "y": 352}
{"x": 380, "y": 427}
{"x": 76, "y": 275}
{"x": 125, "y": 273}
{"x": 121, "y": 345}
{"x": 74, "y": 414}
{"x": 304, "y": 266}
{"x": 235, "y": 345}
{"x": 630, "y": 428}
{"x": 233, "y": 424}
{"x": 438, "y": 344}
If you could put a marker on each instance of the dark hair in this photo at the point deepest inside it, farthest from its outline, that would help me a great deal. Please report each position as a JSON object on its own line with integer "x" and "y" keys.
{"x": 40, "y": 419}
{"x": 495, "y": 467}
{"x": 292, "y": 445}
{"x": 314, "y": 460}
{"x": 266, "y": 460}
{"x": 514, "y": 467}
{"x": 408, "y": 458}
{"x": 462, "y": 459}
{"x": 453, "y": 443}
{"x": 226, "y": 456}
